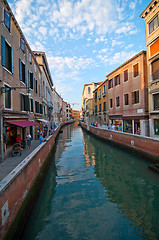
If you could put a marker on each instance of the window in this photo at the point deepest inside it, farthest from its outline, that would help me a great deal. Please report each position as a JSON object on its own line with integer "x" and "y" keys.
{"x": 156, "y": 126}
{"x": 37, "y": 107}
{"x": 155, "y": 70}
{"x": 110, "y": 83}
{"x": 103, "y": 89}
{"x": 95, "y": 96}
{"x": 104, "y": 106}
{"x": 39, "y": 90}
{"x": 89, "y": 90}
{"x": 117, "y": 80}
{"x": 126, "y": 99}
{"x": 30, "y": 79}
{"x": 136, "y": 70}
{"x": 22, "y": 72}
{"x": 117, "y": 101}
{"x": 153, "y": 24}
{"x": 43, "y": 89}
{"x": 95, "y": 108}
{"x": 24, "y": 102}
{"x": 135, "y": 97}
{"x": 35, "y": 86}
{"x": 126, "y": 75}
{"x": 22, "y": 45}
{"x": 111, "y": 103}
{"x": 34, "y": 67}
{"x": 8, "y": 98}
{"x": 99, "y": 94}
{"x": 100, "y": 107}
{"x": 29, "y": 57}
{"x": 39, "y": 75}
{"x": 7, "y": 19}
{"x": 31, "y": 105}
{"x": 156, "y": 101}
{"x": 7, "y": 55}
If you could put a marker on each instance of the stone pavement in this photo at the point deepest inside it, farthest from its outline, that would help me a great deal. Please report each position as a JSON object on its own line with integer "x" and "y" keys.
{"x": 11, "y": 162}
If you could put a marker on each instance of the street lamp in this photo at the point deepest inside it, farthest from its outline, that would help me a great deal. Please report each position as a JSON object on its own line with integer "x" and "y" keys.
{"x": 4, "y": 90}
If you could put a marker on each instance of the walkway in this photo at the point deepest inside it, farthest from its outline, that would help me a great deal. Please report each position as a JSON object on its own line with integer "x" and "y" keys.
{"x": 11, "y": 162}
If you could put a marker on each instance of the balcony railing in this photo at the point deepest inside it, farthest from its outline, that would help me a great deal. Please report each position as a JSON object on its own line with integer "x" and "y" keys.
{"x": 103, "y": 94}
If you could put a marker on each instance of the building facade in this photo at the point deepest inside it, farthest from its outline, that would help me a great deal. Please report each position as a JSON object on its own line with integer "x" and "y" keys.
{"x": 20, "y": 81}
{"x": 128, "y": 96}
{"x": 46, "y": 90}
{"x": 151, "y": 17}
{"x": 100, "y": 104}
{"x": 87, "y": 94}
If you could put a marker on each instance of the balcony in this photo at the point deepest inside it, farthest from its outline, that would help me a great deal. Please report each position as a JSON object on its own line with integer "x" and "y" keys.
{"x": 103, "y": 94}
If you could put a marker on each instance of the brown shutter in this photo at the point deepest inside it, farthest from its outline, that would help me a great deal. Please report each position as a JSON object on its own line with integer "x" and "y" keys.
{"x": 155, "y": 70}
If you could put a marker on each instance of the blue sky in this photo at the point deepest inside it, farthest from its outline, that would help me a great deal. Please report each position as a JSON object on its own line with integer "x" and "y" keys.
{"x": 84, "y": 40}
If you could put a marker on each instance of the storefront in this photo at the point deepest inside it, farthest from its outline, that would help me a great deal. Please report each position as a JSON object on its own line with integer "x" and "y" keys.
{"x": 118, "y": 124}
{"x": 13, "y": 127}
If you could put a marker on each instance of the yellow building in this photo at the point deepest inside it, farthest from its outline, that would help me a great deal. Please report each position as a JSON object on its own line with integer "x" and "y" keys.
{"x": 90, "y": 111}
{"x": 151, "y": 17}
{"x": 87, "y": 94}
{"x": 76, "y": 114}
{"x": 100, "y": 104}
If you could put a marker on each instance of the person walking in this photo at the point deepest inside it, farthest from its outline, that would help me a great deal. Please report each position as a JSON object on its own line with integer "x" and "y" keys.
{"x": 28, "y": 140}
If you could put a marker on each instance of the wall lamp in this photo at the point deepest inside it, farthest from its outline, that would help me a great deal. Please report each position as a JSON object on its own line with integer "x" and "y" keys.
{"x": 7, "y": 89}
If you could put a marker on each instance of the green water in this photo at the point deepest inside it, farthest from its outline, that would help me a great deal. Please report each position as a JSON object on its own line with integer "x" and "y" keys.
{"x": 94, "y": 191}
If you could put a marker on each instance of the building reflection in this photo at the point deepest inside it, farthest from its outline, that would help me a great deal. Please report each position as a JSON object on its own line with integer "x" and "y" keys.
{"x": 127, "y": 181}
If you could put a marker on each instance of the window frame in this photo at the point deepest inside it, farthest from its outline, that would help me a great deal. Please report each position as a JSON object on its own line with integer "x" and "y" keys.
{"x": 110, "y": 83}
{"x": 126, "y": 99}
{"x": 152, "y": 22}
{"x": 135, "y": 97}
{"x": 6, "y": 48}
{"x": 155, "y": 106}
{"x": 6, "y": 20}
{"x": 117, "y": 101}
{"x": 117, "y": 80}
{"x": 111, "y": 103}
{"x": 127, "y": 75}
{"x": 22, "y": 44}
{"x": 155, "y": 78}
{"x": 135, "y": 73}
{"x": 6, "y": 94}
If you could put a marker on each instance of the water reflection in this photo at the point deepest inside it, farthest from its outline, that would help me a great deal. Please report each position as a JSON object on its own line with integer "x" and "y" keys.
{"x": 128, "y": 183}
{"x": 94, "y": 191}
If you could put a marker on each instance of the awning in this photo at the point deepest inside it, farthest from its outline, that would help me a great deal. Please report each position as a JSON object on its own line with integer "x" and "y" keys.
{"x": 42, "y": 120}
{"x": 22, "y": 123}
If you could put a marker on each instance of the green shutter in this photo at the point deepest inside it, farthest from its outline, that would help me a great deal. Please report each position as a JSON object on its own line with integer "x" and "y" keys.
{"x": 25, "y": 75}
{"x": 3, "y": 51}
{"x": 21, "y": 101}
{"x": 26, "y": 107}
{"x": 12, "y": 60}
{"x": 28, "y": 78}
{"x": 20, "y": 69}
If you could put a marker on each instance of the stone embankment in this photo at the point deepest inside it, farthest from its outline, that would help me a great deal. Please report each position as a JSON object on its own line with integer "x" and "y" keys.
{"x": 20, "y": 187}
{"x": 145, "y": 146}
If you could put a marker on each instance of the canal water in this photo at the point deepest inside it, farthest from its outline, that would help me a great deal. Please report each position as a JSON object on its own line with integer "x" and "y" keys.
{"x": 93, "y": 191}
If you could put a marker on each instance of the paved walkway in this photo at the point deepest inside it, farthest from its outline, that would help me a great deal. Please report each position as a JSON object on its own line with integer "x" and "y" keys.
{"x": 11, "y": 162}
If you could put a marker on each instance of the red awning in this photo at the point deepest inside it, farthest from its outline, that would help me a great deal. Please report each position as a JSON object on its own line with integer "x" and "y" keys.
{"x": 22, "y": 123}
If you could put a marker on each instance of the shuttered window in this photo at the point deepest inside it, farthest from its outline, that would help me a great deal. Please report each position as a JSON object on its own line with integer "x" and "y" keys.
{"x": 24, "y": 99}
{"x": 7, "y": 55}
{"x": 135, "y": 97}
{"x": 117, "y": 102}
{"x": 155, "y": 70}
{"x": 125, "y": 75}
{"x": 35, "y": 86}
{"x": 126, "y": 98}
{"x": 8, "y": 98}
{"x": 117, "y": 80}
{"x": 31, "y": 105}
{"x": 30, "y": 79}
{"x": 7, "y": 19}
{"x": 136, "y": 70}
{"x": 156, "y": 101}
{"x": 111, "y": 103}
{"x": 22, "y": 72}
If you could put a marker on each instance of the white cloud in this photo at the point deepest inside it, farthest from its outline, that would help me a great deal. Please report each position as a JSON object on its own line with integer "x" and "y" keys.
{"x": 121, "y": 57}
{"x": 62, "y": 63}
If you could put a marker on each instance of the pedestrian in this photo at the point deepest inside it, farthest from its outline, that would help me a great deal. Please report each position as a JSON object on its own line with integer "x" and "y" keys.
{"x": 28, "y": 140}
{"x": 138, "y": 131}
{"x": 42, "y": 139}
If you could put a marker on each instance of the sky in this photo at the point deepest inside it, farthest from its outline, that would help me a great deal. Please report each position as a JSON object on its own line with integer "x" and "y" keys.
{"x": 83, "y": 40}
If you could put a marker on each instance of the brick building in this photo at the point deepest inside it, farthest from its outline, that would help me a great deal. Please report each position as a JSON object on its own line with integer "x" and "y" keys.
{"x": 127, "y": 95}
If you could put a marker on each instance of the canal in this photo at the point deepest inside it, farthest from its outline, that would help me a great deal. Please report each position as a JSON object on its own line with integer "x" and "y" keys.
{"x": 94, "y": 191}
